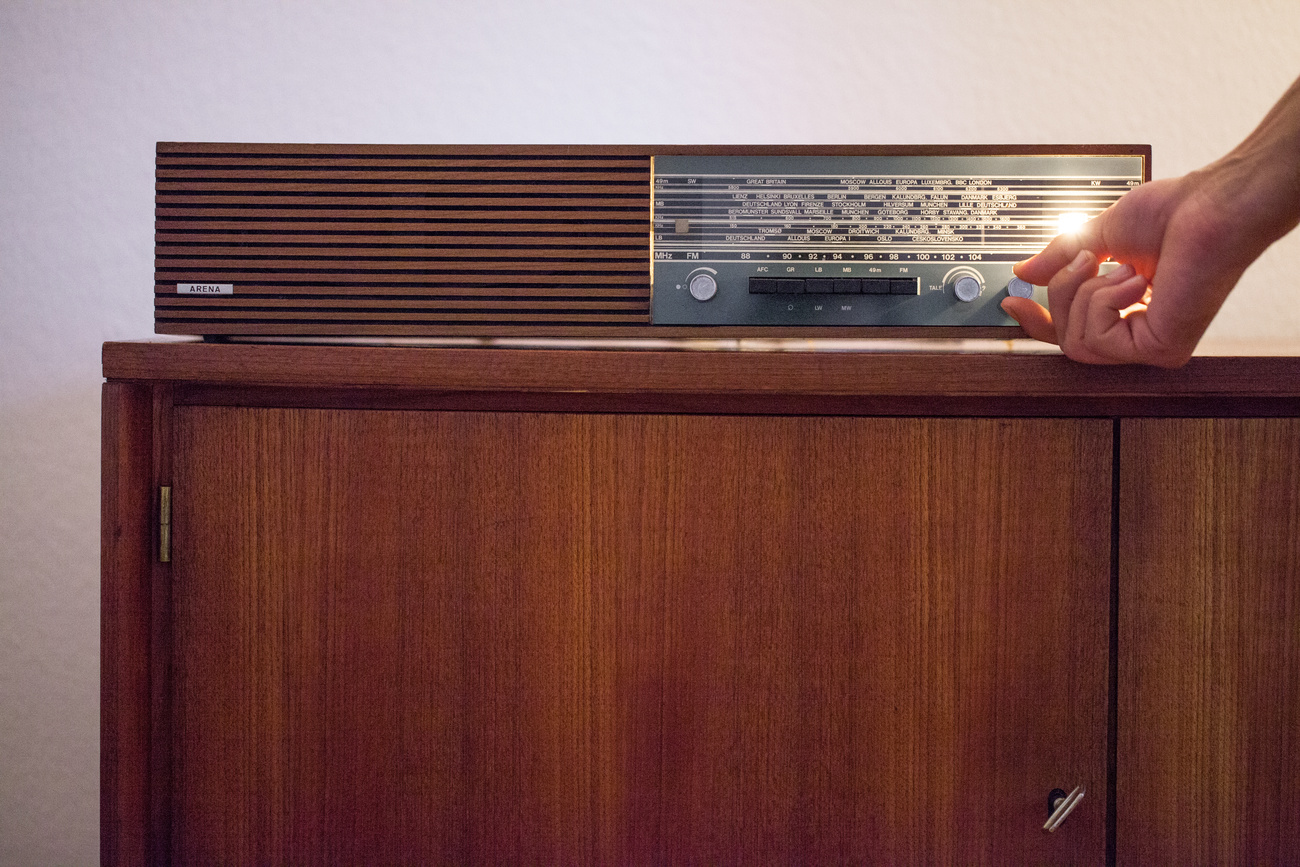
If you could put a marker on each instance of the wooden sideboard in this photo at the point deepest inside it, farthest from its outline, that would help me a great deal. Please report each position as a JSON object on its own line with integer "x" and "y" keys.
{"x": 483, "y": 605}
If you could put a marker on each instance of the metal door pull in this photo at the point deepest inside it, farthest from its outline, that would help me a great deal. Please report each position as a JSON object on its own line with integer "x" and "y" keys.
{"x": 1061, "y": 806}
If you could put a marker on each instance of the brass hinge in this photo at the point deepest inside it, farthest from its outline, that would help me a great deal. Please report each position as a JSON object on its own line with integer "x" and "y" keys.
{"x": 164, "y": 525}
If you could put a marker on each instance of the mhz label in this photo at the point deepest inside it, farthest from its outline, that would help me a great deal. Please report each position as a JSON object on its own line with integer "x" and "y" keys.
{"x": 205, "y": 288}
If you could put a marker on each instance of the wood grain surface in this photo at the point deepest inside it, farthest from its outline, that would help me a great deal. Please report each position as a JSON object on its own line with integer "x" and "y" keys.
{"x": 431, "y": 637}
{"x": 1209, "y": 709}
{"x": 126, "y": 564}
{"x": 754, "y": 382}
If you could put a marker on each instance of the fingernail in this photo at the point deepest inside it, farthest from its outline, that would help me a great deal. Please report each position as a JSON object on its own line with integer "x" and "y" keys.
{"x": 1122, "y": 273}
{"x": 1079, "y": 261}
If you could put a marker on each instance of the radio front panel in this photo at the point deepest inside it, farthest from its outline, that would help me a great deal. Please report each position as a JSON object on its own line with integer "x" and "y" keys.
{"x": 622, "y": 241}
{"x": 806, "y": 241}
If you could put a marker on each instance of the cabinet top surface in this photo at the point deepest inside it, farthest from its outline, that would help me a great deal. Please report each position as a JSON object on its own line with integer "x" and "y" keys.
{"x": 1267, "y": 383}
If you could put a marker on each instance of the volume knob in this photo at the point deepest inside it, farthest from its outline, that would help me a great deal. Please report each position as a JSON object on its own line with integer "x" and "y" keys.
{"x": 967, "y": 288}
{"x": 702, "y": 287}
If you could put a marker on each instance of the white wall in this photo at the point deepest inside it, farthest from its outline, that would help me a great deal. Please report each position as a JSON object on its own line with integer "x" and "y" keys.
{"x": 87, "y": 88}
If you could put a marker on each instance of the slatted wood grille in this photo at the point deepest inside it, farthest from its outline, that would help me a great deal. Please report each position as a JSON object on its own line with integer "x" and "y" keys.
{"x": 402, "y": 240}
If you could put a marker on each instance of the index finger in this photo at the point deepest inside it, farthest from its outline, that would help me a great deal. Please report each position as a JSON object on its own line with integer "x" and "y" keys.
{"x": 1062, "y": 250}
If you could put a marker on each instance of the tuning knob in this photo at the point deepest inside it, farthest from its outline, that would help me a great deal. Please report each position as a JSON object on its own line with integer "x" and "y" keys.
{"x": 1018, "y": 288}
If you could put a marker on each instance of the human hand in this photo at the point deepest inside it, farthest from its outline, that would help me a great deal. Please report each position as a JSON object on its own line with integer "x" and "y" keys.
{"x": 1153, "y": 309}
{"x": 1182, "y": 244}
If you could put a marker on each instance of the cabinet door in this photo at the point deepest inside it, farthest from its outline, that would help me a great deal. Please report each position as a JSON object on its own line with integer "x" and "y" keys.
{"x": 416, "y": 637}
{"x": 885, "y": 641}
{"x": 1209, "y": 703}
{"x": 408, "y": 638}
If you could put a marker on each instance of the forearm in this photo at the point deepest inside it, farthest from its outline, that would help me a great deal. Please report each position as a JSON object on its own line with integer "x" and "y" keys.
{"x": 1279, "y": 131}
{"x": 1257, "y": 184}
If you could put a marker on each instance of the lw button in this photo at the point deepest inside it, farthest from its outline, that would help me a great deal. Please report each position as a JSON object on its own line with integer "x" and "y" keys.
{"x": 703, "y": 287}
{"x": 967, "y": 288}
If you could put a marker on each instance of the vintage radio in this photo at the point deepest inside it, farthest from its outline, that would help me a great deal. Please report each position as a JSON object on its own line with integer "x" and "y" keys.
{"x": 612, "y": 241}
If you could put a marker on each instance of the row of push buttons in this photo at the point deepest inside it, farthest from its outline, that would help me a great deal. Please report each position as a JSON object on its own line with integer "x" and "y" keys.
{"x": 834, "y": 286}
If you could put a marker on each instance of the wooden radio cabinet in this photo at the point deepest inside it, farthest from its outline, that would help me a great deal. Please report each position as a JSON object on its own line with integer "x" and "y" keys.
{"x": 484, "y": 605}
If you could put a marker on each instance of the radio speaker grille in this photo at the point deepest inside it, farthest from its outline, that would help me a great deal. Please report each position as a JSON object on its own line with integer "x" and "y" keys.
{"x": 394, "y": 240}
